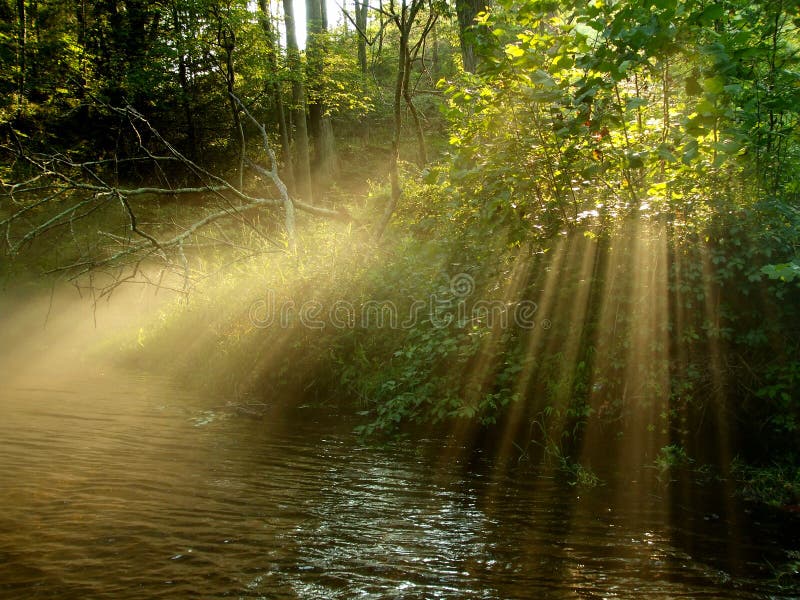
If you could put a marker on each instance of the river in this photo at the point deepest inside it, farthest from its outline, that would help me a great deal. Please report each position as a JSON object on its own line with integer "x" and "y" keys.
{"x": 117, "y": 484}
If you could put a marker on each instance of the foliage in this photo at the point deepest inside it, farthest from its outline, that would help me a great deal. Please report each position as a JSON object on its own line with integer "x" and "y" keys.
{"x": 671, "y": 457}
{"x": 580, "y": 476}
{"x": 777, "y": 484}
{"x": 598, "y": 108}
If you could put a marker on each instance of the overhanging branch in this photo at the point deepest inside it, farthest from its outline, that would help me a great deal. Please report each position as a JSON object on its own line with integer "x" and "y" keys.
{"x": 59, "y": 191}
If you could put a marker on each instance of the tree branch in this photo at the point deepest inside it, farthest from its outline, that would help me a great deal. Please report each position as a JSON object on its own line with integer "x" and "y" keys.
{"x": 62, "y": 191}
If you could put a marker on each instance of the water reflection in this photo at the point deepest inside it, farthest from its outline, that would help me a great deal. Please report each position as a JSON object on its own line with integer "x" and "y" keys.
{"x": 115, "y": 486}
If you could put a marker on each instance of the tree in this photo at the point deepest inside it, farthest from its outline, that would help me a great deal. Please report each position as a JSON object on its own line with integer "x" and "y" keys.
{"x": 404, "y": 16}
{"x": 301, "y": 159}
{"x": 466, "y": 11}
{"x": 182, "y": 17}
{"x": 274, "y": 88}
{"x": 362, "y": 12}
{"x": 320, "y": 128}
{"x": 62, "y": 193}
{"x": 22, "y": 48}
{"x": 226, "y": 40}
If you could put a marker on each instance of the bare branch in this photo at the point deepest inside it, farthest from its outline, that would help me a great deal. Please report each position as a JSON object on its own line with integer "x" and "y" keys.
{"x": 272, "y": 174}
{"x": 363, "y": 34}
{"x": 134, "y": 228}
{"x": 63, "y": 190}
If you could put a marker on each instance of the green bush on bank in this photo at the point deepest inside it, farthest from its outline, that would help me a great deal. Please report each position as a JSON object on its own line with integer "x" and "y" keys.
{"x": 723, "y": 342}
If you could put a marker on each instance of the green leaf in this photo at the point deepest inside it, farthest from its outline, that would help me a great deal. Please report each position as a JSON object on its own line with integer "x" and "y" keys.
{"x": 543, "y": 78}
{"x": 713, "y": 85}
{"x": 712, "y": 12}
{"x": 693, "y": 87}
{"x": 785, "y": 272}
{"x": 663, "y": 4}
{"x": 706, "y": 108}
{"x": 514, "y": 51}
{"x": 690, "y": 152}
{"x": 635, "y": 103}
{"x": 563, "y": 62}
{"x": 665, "y": 153}
{"x": 636, "y": 159}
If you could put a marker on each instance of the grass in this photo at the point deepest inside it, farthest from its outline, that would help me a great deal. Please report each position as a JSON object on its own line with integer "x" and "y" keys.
{"x": 776, "y": 485}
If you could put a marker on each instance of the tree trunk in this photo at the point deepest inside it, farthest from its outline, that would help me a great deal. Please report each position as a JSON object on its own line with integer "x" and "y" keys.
{"x": 362, "y": 11}
{"x": 405, "y": 22}
{"x": 314, "y": 58}
{"x": 188, "y": 111}
{"x": 422, "y": 155}
{"x": 22, "y": 38}
{"x": 320, "y": 127}
{"x": 186, "y": 92}
{"x": 80, "y": 15}
{"x": 467, "y": 10}
{"x": 394, "y": 160}
{"x": 230, "y": 79}
{"x": 274, "y": 89}
{"x": 361, "y": 25}
{"x": 435, "y": 52}
{"x": 301, "y": 156}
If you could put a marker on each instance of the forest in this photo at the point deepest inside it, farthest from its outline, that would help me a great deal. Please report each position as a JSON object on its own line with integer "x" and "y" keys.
{"x": 565, "y": 234}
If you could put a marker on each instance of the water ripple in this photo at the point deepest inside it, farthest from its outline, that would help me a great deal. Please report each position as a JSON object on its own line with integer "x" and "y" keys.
{"x": 138, "y": 489}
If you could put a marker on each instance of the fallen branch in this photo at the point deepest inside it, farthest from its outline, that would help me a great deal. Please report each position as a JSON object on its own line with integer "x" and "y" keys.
{"x": 62, "y": 191}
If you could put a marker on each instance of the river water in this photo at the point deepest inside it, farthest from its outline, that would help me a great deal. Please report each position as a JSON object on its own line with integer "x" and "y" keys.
{"x": 121, "y": 485}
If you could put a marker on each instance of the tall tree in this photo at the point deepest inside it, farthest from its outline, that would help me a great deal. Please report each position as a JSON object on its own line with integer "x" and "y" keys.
{"x": 362, "y": 8}
{"x": 314, "y": 66}
{"x": 226, "y": 39}
{"x": 467, "y": 10}
{"x": 8, "y": 53}
{"x": 302, "y": 162}
{"x": 405, "y": 16}
{"x": 22, "y": 47}
{"x": 320, "y": 128}
{"x": 274, "y": 88}
{"x": 181, "y": 17}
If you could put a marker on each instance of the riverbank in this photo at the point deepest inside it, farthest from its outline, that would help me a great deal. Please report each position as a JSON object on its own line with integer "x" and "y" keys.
{"x": 656, "y": 332}
{"x": 686, "y": 526}
{"x": 121, "y": 484}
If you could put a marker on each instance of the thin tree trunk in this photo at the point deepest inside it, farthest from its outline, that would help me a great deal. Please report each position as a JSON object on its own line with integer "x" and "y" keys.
{"x": 80, "y": 15}
{"x": 302, "y": 162}
{"x": 186, "y": 93}
{"x": 274, "y": 88}
{"x": 362, "y": 12}
{"x": 188, "y": 111}
{"x": 314, "y": 58}
{"x": 394, "y": 164}
{"x": 238, "y": 130}
{"x": 361, "y": 25}
{"x": 422, "y": 155}
{"x": 22, "y": 39}
{"x": 405, "y": 21}
{"x": 321, "y": 128}
{"x": 381, "y": 23}
{"x": 467, "y": 10}
{"x": 33, "y": 43}
{"x": 435, "y": 52}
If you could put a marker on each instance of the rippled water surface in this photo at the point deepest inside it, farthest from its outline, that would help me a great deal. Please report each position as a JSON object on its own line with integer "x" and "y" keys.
{"x": 114, "y": 485}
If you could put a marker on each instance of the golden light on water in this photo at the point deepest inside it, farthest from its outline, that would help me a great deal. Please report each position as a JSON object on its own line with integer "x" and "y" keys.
{"x": 592, "y": 293}
{"x": 620, "y": 295}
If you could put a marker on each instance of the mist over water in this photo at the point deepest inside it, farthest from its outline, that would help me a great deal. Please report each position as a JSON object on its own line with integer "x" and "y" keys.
{"x": 117, "y": 484}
